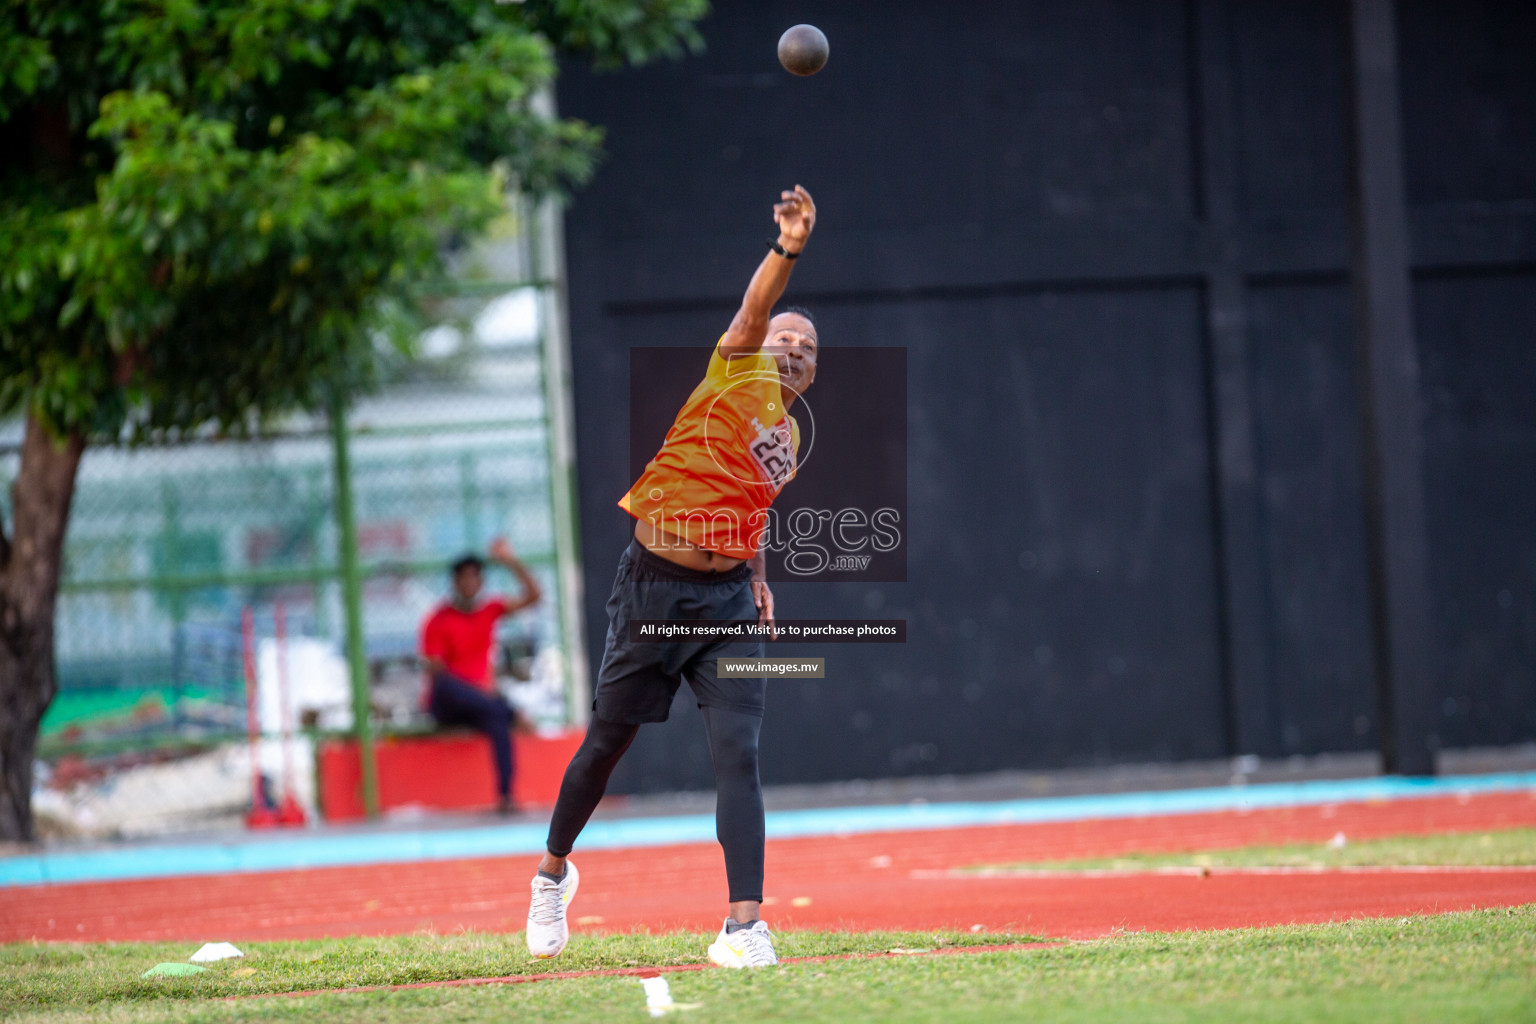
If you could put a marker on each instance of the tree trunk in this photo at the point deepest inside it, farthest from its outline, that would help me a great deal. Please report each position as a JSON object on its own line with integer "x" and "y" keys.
{"x": 30, "y": 560}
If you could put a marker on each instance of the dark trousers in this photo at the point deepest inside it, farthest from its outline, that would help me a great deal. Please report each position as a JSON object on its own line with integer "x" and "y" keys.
{"x": 456, "y": 702}
{"x": 636, "y": 684}
{"x": 738, "y": 791}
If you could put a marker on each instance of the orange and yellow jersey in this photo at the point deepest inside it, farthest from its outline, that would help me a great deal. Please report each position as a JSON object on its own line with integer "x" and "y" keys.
{"x": 729, "y": 453}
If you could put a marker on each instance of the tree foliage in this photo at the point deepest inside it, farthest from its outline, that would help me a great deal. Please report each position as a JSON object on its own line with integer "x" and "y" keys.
{"x": 203, "y": 201}
{"x": 207, "y": 205}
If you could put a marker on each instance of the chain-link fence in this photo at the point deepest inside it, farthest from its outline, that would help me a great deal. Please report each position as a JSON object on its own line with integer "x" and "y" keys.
{"x": 200, "y": 578}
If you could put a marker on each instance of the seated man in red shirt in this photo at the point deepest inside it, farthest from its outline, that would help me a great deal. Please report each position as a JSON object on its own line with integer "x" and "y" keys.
{"x": 456, "y": 645}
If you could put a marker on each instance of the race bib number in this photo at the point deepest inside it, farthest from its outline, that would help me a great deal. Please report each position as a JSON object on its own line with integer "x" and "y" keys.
{"x": 774, "y": 450}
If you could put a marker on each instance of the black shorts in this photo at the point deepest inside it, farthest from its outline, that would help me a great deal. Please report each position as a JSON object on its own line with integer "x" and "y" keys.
{"x": 637, "y": 681}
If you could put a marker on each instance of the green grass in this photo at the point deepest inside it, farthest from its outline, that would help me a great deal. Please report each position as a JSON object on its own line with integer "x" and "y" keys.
{"x": 1506, "y": 847}
{"x": 48, "y": 975}
{"x": 1478, "y": 966}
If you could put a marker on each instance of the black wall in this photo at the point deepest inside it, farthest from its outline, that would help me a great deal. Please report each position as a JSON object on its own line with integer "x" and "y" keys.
{"x": 1114, "y": 236}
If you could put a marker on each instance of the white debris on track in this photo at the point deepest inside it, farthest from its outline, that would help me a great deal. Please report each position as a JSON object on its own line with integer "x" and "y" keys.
{"x": 658, "y": 995}
{"x": 211, "y": 951}
{"x": 658, "y": 998}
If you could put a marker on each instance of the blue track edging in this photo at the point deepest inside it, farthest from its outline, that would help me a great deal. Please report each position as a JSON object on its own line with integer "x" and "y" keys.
{"x": 320, "y": 849}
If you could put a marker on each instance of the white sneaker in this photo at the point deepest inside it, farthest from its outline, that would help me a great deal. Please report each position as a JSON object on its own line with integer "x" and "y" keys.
{"x": 547, "y": 930}
{"x": 745, "y": 947}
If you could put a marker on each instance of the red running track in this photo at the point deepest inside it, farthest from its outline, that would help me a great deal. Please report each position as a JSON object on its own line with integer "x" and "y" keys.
{"x": 858, "y": 882}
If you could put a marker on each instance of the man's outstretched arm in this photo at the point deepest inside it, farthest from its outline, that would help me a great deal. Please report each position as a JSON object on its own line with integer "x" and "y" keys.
{"x": 501, "y": 554}
{"x": 796, "y": 216}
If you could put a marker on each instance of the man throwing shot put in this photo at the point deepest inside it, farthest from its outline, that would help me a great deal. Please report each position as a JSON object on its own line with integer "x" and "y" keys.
{"x": 700, "y": 508}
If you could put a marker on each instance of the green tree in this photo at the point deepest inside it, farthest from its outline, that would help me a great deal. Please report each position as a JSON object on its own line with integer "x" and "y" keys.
{"x": 206, "y": 204}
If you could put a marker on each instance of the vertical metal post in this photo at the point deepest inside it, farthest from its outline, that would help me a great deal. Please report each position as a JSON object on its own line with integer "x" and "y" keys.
{"x": 469, "y": 495}
{"x": 1242, "y": 573}
{"x": 171, "y": 545}
{"x": 547, "y": 263}
{"x": 352, "y": 601}
{"x": 314, "y": 515}
{"x": 1389, "y": 401}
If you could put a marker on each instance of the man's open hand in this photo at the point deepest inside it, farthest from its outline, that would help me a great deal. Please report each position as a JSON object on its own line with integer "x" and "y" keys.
{"x": 796, "y": 216}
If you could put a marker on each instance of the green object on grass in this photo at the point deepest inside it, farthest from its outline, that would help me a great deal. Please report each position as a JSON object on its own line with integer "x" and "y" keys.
{"x": 172, "y": 970}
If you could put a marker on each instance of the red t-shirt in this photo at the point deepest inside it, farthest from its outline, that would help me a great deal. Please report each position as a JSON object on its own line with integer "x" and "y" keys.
{"x": 463, "y": 641}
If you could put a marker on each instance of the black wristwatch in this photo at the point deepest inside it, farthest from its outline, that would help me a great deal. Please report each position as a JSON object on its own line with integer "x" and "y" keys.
{"x": 776, "y": 247}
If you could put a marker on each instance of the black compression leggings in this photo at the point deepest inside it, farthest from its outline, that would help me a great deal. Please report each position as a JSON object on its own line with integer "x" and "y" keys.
{"x": 738, "y": 792}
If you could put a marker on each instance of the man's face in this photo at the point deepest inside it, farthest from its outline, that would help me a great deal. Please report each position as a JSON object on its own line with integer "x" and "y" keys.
{"x": 792, "y": 343}
{"x": 466, "y": 583}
